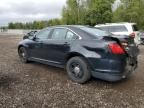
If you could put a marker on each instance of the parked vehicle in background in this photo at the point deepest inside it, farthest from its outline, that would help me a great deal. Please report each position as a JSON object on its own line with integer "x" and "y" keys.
{"x": 30, "y": 34}
{"x": 83, "y": 51}
{"x": 142, "y": 37}
{"x": 128, "y": 29}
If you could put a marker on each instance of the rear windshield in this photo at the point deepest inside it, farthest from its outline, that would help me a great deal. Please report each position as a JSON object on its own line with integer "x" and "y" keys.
{"x": 135, "y": 28}
{"x": 117, "y": 29}
{"x": 95, "y": 32}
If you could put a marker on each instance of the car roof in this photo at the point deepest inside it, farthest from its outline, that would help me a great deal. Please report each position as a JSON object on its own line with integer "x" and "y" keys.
{"x": 69, "y": 26}
{"x": 76, "y": 29}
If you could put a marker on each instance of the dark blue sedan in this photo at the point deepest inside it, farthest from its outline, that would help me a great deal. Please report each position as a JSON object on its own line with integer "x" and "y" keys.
{"x": 83, "y": 51}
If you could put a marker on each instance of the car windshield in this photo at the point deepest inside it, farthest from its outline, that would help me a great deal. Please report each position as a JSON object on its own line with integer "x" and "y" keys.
{"x": 95, "y": 32}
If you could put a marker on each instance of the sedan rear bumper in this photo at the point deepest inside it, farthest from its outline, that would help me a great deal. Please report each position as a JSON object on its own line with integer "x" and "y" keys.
{"x": 115, "y": 74}
{"x": 107, "y": 76}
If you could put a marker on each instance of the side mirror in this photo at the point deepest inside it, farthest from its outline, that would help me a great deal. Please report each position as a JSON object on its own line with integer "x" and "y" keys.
{"x": 29, "y": 36}
{"x": 35, "y": 38}
{"x": 25, "y": 37}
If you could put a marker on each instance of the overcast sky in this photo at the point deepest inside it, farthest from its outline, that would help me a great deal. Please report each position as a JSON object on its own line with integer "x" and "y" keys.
{"x": 29, "y": 10}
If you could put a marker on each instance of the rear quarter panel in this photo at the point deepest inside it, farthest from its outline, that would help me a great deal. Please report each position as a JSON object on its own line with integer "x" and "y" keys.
{"x": 97, "y": 54}
{"x": 90, "y": 48}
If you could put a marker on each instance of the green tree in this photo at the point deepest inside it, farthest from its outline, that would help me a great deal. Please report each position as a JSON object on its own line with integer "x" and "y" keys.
{"x": 11, "y": 25}
{"x": 53, "y": 22}
{"x": 89, "y": 12}
{"x": 70, "y": 12}
{"x": 99, "y": 11}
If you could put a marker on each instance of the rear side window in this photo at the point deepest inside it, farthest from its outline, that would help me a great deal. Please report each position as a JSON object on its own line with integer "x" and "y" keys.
{"x": 71, "y": 36}
{"x": 135, "y": 28}
{"x": 117, "y": 29}
{"x": 59, "y": 34}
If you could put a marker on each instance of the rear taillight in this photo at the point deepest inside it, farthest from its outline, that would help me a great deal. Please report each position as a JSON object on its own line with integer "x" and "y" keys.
{"x": 116, "y": 48}
{"x": 132, "y": 35}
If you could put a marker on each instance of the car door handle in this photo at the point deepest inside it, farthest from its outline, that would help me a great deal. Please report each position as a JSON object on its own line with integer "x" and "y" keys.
{"x": 66, "y": 44}
{"x": 40, "y": 42}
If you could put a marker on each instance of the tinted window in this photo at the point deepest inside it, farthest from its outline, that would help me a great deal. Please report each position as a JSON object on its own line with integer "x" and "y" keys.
{"x": 95, "y": 32}
{"x": 135, "y": 28}
{"x": 59, "y": 34}
{"x": 117, "y": 29}
{"x": 71, "y": 35}
{"x": 42, "y": 35}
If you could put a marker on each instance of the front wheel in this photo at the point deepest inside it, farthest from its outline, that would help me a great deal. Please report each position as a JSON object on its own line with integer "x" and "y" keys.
{"x": 23, "y": 54}
{"x": 78, "y": 70}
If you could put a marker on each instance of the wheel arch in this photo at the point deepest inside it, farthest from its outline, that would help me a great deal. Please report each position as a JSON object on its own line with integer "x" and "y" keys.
{"x": 21, "y": 45}
{"x": 76, "y": 54}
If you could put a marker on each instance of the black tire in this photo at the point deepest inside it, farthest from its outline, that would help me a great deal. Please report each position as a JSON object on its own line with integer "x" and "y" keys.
{"x": 78, "y": 70}
{"x": 23, "y": 54}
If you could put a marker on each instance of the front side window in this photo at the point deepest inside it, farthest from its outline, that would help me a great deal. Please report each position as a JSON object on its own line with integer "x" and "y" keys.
{"x": 42, "y": 35}
{"x": 59, "y": 34}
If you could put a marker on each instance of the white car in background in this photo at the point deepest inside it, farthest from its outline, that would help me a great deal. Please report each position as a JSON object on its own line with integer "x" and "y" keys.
{"x": 129, "y": 29}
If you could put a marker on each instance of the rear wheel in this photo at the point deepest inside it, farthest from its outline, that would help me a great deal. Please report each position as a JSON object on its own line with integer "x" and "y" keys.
{"x": 78, "y": 70}
{"x": 23, "y": 54}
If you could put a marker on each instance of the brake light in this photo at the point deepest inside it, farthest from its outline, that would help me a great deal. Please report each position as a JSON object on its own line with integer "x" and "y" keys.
{"x": 116, "y": 48}
{"x": 132, "y": 35}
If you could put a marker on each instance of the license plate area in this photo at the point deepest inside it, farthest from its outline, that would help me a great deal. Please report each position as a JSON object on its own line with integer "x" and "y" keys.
{"x": 131, "y": 65}
{"x": 132, "y": 61}
{"x": 132, "y": 51}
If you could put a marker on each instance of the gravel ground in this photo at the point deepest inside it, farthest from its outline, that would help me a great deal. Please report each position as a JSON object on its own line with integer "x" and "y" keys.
{"x": 36, "y": 85}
